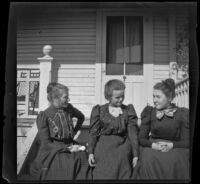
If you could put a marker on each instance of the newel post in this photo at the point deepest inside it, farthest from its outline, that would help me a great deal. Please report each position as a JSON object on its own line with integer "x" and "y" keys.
{"x": 45, "y": 76}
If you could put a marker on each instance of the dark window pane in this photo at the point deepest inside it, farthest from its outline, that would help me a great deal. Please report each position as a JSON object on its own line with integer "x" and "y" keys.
{"x": 114, "y": 69}
{"x": 134, "y": 39}
{"x": 115, "y": 40}
{"x": 132, "y": 54}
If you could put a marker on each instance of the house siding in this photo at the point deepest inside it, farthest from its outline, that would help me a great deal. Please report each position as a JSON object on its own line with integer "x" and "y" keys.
{"x": 160, "y": 47}
{"x": 73, "y": 37}
{"x": 161, "y": 42}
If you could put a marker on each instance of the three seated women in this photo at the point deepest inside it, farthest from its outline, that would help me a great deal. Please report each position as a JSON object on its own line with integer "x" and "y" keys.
{"x": 117, "y": 148}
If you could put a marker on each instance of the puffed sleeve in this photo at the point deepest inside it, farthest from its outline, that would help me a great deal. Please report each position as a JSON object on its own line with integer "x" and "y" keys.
{"x": 184, "y": 130}
{"x": 132, "y": 129}
{"x": 44, "y": 134}
{"x": 95, "y": 127}
{"x": 145, "y": 127}
{"x": 80, "y": 118}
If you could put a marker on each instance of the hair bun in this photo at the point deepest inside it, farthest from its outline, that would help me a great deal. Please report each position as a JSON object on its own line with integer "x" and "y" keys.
{"x": 171, "y": 83}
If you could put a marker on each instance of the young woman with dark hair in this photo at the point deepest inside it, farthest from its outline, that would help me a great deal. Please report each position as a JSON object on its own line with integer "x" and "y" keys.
{"x": 164, "y": 137}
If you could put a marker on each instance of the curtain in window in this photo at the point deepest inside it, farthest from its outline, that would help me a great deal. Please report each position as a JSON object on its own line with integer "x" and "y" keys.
{"x": 133, "y": 39}
{"x": 118, "y": 51}
{"x": 115, "y": 40}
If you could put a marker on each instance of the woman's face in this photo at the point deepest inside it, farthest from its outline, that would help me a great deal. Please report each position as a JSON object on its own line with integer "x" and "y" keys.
{"x": 160, "y": 100}
{"x": 63, "y": 100}
{"x": 117, "y": 98}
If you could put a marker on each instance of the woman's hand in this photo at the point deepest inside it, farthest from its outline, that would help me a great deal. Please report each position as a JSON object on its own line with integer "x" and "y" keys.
{"x": 135, "y": 159}
{"x": 91, "y": 160}
{"x": 157, "y": 146}
{"x": 73, "y": 148}
{"x": 166, "y": 146}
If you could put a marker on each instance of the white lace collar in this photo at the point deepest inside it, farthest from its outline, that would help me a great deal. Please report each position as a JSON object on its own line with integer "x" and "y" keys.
{"x": 115, "y": 111}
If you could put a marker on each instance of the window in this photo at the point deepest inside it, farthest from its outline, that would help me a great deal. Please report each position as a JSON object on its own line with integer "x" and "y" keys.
{"x": 124, "y": 44}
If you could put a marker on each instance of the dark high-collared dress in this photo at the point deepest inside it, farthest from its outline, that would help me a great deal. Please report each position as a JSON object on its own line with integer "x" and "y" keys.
{"x": 173, "y": 164}
{"x": 113, "y": 141}
{"x": 54, "y": 161}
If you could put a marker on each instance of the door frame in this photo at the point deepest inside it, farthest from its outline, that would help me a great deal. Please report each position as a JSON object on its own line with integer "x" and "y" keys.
{"x": 147, "y": 77}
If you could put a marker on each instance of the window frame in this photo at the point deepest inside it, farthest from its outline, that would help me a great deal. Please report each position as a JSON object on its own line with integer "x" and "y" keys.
{"x": 104, "y": 36}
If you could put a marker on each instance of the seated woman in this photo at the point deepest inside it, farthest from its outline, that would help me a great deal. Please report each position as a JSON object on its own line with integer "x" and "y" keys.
{"x": 113, "y": 143}
{"x": 59, "y": 156}
{"x": 164, "y": 137}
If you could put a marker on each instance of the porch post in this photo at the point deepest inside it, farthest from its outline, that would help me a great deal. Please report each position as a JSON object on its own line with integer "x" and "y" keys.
{"x": 45, "y": 76}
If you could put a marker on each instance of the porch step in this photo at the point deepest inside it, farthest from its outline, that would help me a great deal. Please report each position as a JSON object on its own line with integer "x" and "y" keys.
{"x": 30, "y": 146}
{"x": 32, "y": 152}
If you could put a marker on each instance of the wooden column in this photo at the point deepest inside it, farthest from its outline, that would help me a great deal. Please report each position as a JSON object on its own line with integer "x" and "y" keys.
{"x": 45, "y": 76}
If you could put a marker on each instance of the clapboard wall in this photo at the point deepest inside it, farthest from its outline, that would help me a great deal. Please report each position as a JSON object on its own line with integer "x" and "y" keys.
{"x": 72, "y": 33}
{"x": 160, "y": 46}
{"x": 161, "y": 42}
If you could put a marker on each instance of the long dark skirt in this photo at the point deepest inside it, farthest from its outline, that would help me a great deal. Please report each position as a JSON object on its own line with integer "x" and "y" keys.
{"x": 113, "y": 158}
{"x": 153, "y": 164}
{"x": 58, "y": 165}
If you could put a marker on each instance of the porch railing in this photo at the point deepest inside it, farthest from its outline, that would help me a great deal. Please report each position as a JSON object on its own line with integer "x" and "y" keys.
{"x": 27, "y": 92}
{"x": 31, "y": 98}
{"x": 182, "y": 93}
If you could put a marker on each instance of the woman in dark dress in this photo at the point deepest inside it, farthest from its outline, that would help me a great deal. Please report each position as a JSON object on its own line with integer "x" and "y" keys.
{"x": 113, "y": 143}
{"x": 164, "y": 137}
{"x": 59, "y": 156}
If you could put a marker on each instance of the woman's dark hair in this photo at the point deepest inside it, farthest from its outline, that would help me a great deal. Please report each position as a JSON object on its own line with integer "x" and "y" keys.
{"x": 54, "y": 90}
{"x": 167, "y": 87}
{"x": 111, "y": 85}
{"x": 50, "y": 86}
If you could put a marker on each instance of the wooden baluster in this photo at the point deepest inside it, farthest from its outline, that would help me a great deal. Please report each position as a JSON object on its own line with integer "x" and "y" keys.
{"x": 186, "y": 95}
{"x": 182, "y": 93}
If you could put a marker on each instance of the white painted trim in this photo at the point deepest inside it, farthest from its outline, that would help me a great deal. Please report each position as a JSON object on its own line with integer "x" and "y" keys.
{"x": 130, "y": 78}
{"x": 25, "y": 79}
{"x": 148, "y": 57}
{"x": 45, "y": 58}
{"x": 27, "y": 98}
{"x": 98, "y": 81}
{"x": 28, "y": 66}
{"x": 126, "y": 11}
{"x": 73, "y": 66}
{"x": 28, "y": 143}
{"x": 45, "y": 77}
{"x": 98, "y": 69}
{"x": 27, "y": 117}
